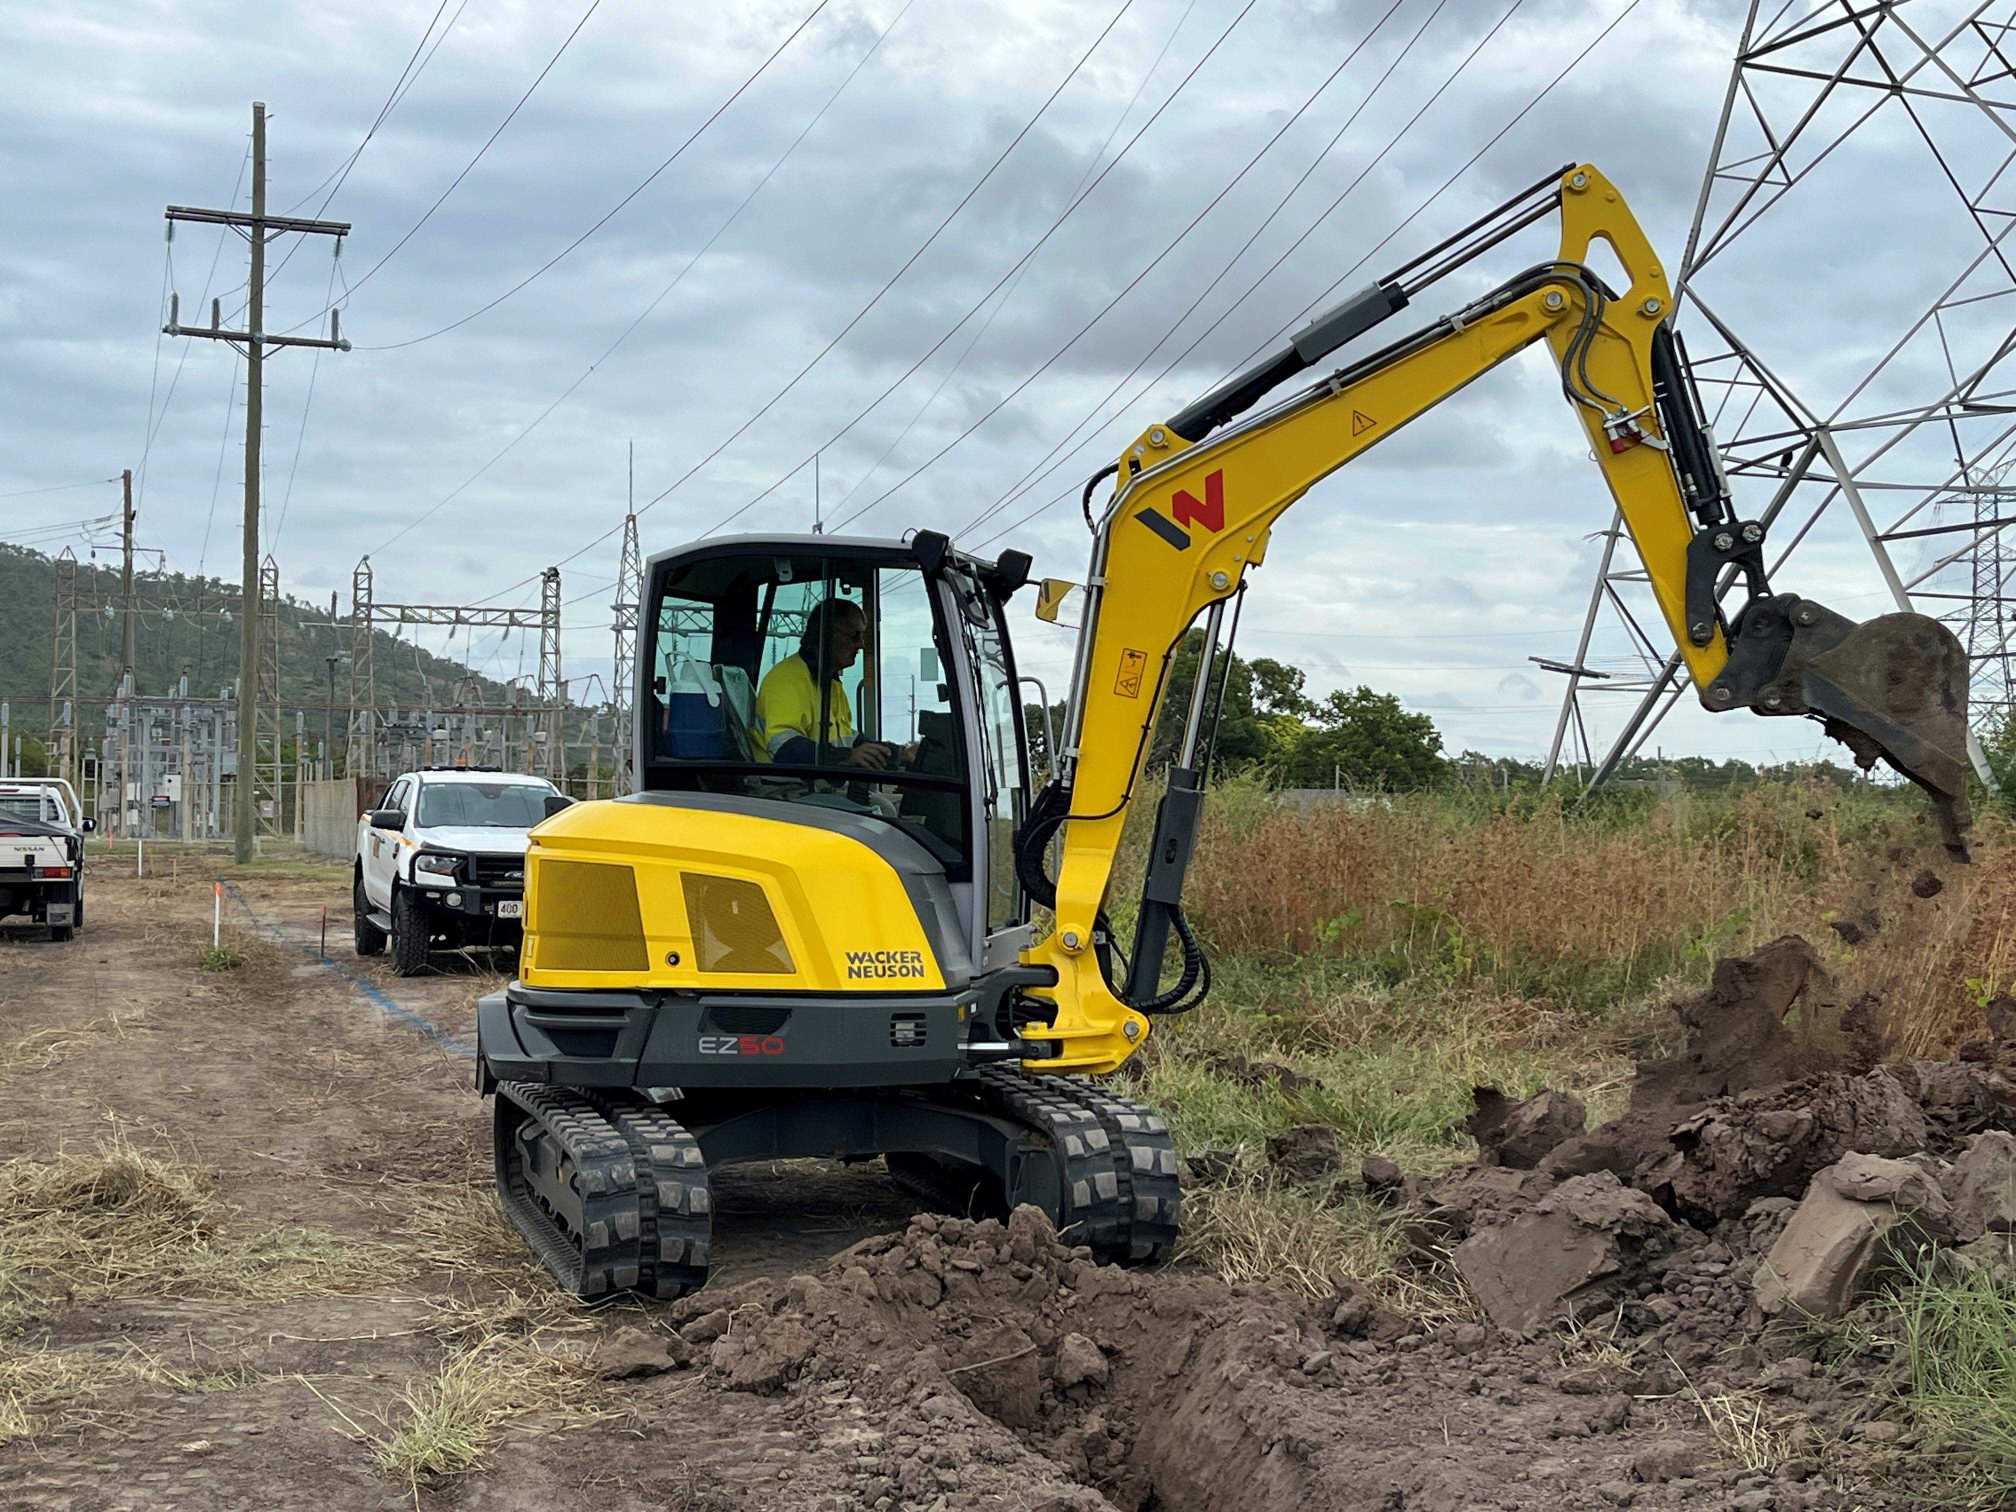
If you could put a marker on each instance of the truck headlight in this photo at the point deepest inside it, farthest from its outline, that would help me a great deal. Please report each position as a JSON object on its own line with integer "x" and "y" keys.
{"x": 435, "y": 871}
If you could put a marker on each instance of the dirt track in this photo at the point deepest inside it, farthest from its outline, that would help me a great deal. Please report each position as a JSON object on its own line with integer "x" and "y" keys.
{"x": 949, "y": 1366}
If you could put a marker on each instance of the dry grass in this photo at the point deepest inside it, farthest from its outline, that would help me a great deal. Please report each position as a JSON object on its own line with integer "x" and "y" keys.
{"x": 48, "y": 1048}
{"x": 45, "y": 1390}
{"x": 128, "y": 1221}
{"x": 1746, "y": 1427}
{"x": 443, "y": 1424}
{"x": 1578, "y": 913}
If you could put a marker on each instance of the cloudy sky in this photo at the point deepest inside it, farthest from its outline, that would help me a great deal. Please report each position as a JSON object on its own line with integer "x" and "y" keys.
{"x": 477, "y": 434}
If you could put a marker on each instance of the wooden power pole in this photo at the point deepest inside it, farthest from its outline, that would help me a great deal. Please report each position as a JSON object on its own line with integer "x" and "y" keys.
{"x": 253, "y": 341}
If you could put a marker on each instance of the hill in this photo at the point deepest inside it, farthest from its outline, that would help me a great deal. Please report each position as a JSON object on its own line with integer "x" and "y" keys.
{"x": 180, "y": 632}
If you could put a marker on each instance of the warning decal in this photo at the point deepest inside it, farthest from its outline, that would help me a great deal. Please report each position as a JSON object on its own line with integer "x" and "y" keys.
{"x": 1133, "y": 665}
{"x": 1361, "y": 422}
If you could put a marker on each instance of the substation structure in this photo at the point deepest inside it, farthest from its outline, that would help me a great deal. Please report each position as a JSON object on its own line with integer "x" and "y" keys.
{"x": 528, "y": 735}
{"x": 159, "y": 764}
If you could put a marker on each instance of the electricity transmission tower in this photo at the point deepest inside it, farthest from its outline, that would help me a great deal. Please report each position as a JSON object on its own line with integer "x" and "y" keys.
{"x": 629, "y": 594}
{"x": 1900, "y": 116}
{"x": 257, "y": 227}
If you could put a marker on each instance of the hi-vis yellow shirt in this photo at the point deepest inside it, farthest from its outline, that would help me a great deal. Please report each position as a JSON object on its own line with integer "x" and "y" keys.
{"x": 787, "y": 706}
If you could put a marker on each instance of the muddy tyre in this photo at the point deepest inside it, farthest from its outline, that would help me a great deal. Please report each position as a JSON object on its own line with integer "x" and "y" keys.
{"x": 409, "y": 935}
{"x": 369, "y": 938}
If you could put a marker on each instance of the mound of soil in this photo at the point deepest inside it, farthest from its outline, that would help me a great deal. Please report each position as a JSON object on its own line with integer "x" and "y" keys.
{"x": 988, "y": 1365}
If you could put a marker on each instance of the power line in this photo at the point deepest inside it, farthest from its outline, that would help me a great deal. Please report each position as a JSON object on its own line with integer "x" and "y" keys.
{"x": 217, "y": 483}
{"x": 663, "y": 293}
{"x": 1042, "y": 465}
{"x": 22, "y": 493}
{"x": 301, "y": 435}
{"x": 568, "y": 250}
{"x": 155, "y": 422}
{"x": 1132, "y": 283}
{"x": 455, "y": 183}
{"x": 1022, "y": 271}
{"x": 392, "y": 99}
{"x": 1414, "y": 214}
{"x": 401, "y": 87}
{"x": 980, "y": 303}
{"x": 862, "y": 313}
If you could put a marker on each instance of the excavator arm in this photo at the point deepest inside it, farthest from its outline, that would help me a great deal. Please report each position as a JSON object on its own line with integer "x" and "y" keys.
{"x": 1196, "y": 498}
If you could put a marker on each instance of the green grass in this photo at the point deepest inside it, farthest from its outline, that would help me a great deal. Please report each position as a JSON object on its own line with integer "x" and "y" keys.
{"x": 1956, "y": 1334}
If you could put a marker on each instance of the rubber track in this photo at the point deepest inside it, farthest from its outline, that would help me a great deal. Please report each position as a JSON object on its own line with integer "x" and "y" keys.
{"x": 1144, "y": 1157}
{"x": 593, "y": 1250}
{"x": 1093, "y": 1211}
{"x": 675, "y": 1206}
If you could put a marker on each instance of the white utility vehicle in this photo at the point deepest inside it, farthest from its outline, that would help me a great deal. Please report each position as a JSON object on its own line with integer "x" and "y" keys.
{"x": 441, "y": 859}
{"x": 42, "y": 830}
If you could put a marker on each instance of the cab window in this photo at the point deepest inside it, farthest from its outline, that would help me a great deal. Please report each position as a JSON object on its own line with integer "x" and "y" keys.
{"x": 811, "y": 679}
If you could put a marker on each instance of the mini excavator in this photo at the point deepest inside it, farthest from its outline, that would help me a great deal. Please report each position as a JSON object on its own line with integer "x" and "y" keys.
{"x": 809, "y": 933}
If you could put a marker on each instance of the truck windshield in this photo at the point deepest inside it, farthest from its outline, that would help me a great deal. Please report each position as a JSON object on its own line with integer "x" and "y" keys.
{"x": 483, "y": 805}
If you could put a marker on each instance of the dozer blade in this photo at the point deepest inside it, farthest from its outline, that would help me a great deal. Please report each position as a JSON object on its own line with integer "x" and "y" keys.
{"x": 1893, "y": 688}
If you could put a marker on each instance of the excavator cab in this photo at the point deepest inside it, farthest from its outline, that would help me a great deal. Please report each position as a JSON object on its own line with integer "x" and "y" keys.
{"x": 850, "y": 682}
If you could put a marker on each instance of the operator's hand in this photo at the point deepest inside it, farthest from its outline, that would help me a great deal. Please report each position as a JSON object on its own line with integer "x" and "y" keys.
{"x": 870, "y": 755}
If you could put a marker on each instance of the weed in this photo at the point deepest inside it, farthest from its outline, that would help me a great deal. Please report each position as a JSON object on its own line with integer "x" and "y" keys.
{"x": 446, "y": 1421}
{"x": 1957, "y": 1336}
{"x": 220, "y": 958}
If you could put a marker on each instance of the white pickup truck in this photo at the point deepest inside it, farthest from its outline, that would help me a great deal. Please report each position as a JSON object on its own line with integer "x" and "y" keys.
{"x": 442, "y": 859}
{"x": 42, "y": 854}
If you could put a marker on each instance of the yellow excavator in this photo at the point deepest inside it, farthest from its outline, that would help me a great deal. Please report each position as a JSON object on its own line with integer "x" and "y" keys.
{"x": 810, "y": 932}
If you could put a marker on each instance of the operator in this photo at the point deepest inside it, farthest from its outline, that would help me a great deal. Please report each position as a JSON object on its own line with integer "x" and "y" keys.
{"x": 787, "y": 705}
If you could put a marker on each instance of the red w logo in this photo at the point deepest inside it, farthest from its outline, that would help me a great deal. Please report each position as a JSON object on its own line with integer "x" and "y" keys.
{"x": 1208, "y": 511}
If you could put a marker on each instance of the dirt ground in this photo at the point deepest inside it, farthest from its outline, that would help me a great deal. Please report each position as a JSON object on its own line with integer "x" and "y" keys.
{"x": 844, "y": 1357}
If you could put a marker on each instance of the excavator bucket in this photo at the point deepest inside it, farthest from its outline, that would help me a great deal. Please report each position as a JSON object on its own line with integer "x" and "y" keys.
{"x": 1893, "y": 688}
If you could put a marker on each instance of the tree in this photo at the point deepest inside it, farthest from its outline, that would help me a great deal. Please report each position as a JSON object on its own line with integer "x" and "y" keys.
{"x": 1241, "y": 737}
{"x": 1363, "y": 739}
{"x": 1278, "y": 689}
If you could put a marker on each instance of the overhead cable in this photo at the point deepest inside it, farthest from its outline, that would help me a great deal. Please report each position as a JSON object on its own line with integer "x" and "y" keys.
{"x": 1132, "y": 283}
{"x": 467, "y": 168}
{"x": 642, "y": 315}
{"x": 1411, "y": 216}
{"x": 862, "y": 313}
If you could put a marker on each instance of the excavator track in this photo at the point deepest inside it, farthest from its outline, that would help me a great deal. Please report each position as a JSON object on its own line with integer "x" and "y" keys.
{"x": 611, "y": 1195}
{"x": 1121, "y": 1189}
{"x": 1144, "y": 1159}
{"x": 675, "y": 1205}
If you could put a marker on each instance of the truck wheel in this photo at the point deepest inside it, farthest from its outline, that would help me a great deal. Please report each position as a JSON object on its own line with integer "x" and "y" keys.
{"x": 409, "y": 935}
{"x": 369, "y": 937}
{"x": 61, "y": 932}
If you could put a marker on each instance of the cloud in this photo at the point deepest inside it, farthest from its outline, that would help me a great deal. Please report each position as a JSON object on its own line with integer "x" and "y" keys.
{"x": 1434, "y": 567}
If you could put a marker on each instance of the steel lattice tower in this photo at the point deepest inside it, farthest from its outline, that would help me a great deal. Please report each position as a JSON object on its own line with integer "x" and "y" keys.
{"x": 63, "y": 669}
{"x": 1931, "y": 422}
{"x": 267, "y": 796}
{"x": 622, "y": 690}
{"x": 361, "y": 756}
{"x": 551, "y": 693}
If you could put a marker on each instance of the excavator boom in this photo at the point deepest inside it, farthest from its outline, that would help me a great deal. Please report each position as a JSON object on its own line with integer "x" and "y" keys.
{"x": 1195, "y": 500}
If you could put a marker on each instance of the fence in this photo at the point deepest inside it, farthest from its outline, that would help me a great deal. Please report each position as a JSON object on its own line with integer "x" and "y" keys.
{"x": 329, "y": 813}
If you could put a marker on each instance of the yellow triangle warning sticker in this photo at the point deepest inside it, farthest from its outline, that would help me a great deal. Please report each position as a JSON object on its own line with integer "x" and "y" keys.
{"x": 1361, "y": 422}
